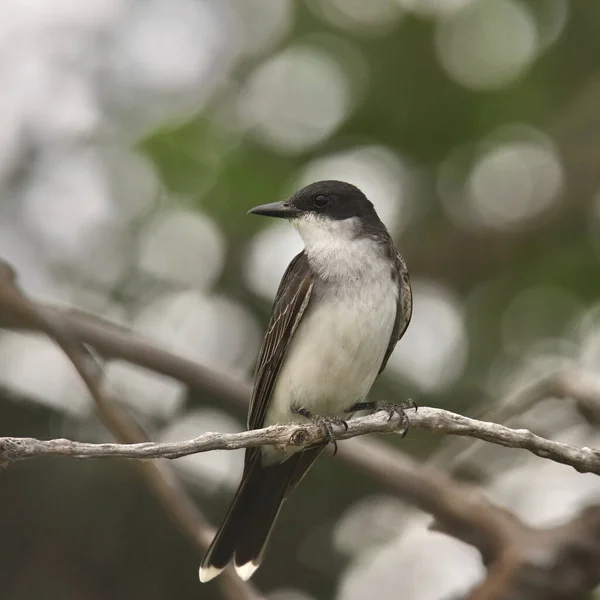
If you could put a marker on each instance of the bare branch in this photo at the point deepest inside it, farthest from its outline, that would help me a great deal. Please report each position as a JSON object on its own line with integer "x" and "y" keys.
{"x": 510, "y": 548}
{"x": 302, "y": 436}
{"x": 569, "y": 381}
{"x": 12, "y": 449}
{"x": 583, "y": 459}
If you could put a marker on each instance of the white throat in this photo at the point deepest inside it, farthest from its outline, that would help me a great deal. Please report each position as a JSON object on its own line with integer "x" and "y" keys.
{"x": 336, "y": 251}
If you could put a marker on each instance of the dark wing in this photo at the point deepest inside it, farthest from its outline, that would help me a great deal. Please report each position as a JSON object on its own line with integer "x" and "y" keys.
{"x": 252, "y": 514}
{"x": 289, "y": 306}
{"x": 404, "y": 310}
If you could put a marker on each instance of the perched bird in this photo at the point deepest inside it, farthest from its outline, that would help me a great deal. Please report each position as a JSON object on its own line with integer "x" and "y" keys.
{"x": 342, "y": 305}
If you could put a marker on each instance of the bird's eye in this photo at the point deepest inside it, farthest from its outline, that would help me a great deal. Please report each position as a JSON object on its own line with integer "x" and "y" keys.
{"x": 321, "y": 201}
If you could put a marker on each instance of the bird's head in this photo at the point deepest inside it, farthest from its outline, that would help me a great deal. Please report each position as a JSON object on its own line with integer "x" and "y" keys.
{"x": 325, "y": 208}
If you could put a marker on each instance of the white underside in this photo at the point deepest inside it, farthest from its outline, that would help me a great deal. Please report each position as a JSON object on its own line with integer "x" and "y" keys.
{"x": 340, "y": 343}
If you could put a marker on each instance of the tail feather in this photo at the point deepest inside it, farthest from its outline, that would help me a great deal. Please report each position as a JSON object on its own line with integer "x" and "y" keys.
{"x": 221, "y": 551}
{"x": 247, "y": 526}
{"x": 262, "y": 513}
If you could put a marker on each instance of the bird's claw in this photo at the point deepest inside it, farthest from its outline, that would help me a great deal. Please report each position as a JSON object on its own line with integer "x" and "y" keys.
{"x": 327, "y": 424}
{"x": 394, "y": 409}
{"x": 391, "y": 408}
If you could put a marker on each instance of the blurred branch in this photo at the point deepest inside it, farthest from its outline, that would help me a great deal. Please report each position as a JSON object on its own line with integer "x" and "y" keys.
{"x": 17, "y": 311}
{"x": 522, "y": 562}
{"x": 116, "y": 342}
{"x": 560, "y": 563}
{"x": 459, "y": 511}
{"x": 585, "y": 460}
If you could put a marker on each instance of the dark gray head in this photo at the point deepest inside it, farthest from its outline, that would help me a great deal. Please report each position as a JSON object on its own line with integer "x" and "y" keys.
{"x": 324, "y": 201}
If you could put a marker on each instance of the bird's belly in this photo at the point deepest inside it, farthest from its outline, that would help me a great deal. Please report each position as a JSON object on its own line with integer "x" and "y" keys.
{"x": 335, "y": 355}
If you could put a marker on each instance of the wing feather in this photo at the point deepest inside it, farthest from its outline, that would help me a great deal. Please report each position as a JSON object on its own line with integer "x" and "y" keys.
{"x": 404, "y": 308}
{"x": 290, "y": 304}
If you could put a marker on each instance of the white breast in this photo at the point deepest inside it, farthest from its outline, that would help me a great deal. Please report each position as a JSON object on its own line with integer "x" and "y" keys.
{"x": 340, "y": 343}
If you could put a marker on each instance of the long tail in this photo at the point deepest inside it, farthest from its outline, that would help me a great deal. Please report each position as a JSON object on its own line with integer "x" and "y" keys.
{"x": 245, "y": 531}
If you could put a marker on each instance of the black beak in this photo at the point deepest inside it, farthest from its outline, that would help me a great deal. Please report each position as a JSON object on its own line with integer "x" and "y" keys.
{"x": 281, "y": 210}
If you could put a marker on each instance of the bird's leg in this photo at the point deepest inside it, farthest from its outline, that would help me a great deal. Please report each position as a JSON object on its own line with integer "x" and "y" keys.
{"x": 390, "y": 408}
{"x": 326, "y": 423}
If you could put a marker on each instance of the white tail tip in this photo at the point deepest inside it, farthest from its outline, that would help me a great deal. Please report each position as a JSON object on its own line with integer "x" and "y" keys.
{"x": 208, "y": 573}
{"x": 246, "y": 571}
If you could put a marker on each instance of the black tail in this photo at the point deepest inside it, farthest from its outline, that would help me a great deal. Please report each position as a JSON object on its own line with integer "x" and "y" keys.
{"x": 252, "y": 514}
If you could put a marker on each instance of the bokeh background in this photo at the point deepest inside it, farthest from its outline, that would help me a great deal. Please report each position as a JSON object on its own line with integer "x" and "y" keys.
{"x": 135, "y": 136}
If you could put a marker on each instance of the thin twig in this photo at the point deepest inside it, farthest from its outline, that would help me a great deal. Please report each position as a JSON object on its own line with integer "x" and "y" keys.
{"x": 568, "y": 381}
{"x": 586, "y": 460}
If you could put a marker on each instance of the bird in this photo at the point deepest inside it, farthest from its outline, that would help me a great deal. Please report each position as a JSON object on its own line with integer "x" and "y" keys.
{"x": 342, "y": 305}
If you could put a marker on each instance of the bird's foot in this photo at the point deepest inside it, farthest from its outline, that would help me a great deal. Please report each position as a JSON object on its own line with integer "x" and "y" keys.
{"x": 391, "y": 408}
{"x": 326, "y": 423}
